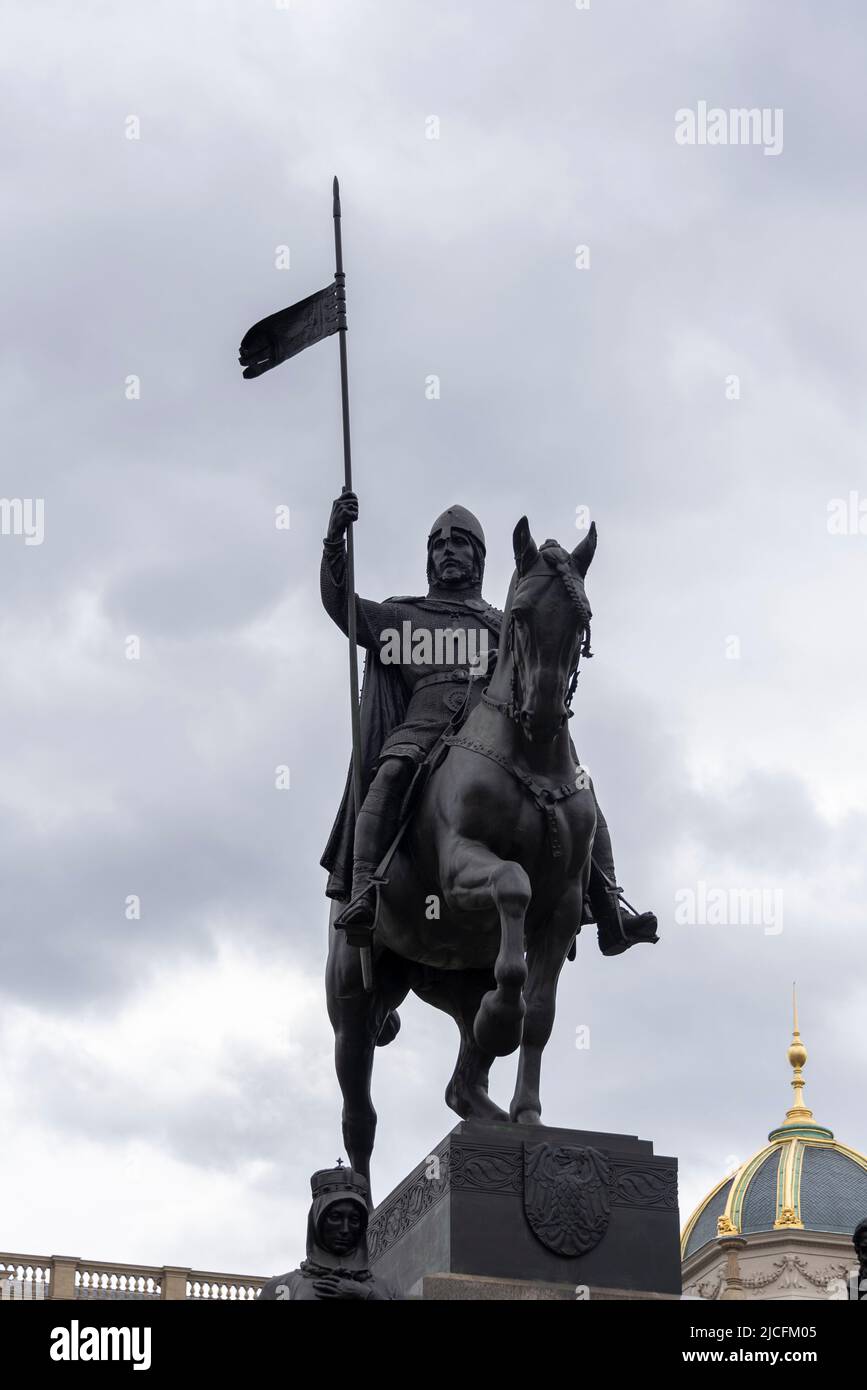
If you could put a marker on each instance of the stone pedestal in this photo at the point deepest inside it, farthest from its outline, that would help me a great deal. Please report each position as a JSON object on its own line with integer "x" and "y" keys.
{"x": 553, "y": 1213}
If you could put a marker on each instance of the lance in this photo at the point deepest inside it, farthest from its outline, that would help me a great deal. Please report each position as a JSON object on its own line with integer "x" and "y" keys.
{"x": 268, "y": 343}
{"x": 355, "y": 714}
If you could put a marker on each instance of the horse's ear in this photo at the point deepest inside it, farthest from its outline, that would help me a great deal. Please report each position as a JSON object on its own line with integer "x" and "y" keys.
{"x": 526, "y": 553}
{"x": 584, "y": 551}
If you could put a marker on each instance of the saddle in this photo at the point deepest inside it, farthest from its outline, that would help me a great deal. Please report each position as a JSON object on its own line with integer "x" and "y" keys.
{"x": 425, "y": 769}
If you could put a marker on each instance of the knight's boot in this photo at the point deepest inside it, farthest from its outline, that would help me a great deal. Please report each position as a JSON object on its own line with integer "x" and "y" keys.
{"x": 619, "y": 929}
{"x": 359, "y": 915}
{"x": 618, "y": 925}
{"x": 376, "y": 828}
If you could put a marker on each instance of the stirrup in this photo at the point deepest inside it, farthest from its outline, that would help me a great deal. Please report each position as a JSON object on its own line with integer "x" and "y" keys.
{"x": 625, "y": 931}
{"x": 359, "y": 917}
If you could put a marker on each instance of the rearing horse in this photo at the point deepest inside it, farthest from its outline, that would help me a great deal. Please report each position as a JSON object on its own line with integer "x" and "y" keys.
{"x": 483, "y": 898}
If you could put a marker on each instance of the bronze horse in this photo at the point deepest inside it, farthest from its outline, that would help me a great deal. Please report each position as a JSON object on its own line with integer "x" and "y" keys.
{"x": 483, "y": 897}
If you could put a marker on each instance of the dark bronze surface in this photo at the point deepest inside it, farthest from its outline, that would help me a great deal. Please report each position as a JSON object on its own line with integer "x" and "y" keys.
{"x": 475, "y": 904}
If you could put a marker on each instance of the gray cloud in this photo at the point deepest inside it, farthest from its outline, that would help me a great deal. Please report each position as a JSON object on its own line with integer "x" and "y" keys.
{"x": 559, "y": 388}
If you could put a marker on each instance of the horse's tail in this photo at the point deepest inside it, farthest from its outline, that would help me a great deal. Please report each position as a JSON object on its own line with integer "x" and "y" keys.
{"x": 390, "y": 1028}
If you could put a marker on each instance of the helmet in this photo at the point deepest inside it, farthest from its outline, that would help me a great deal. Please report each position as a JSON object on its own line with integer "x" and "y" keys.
{"x": 458, "y": 519}
{"x": 461, "y": 520}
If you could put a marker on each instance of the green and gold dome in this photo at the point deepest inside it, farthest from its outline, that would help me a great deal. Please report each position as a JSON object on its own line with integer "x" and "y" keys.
{"x": 802, "y": 1179}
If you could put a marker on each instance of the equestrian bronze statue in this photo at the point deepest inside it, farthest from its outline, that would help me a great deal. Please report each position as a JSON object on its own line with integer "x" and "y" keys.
{"x": 480, "y": 847}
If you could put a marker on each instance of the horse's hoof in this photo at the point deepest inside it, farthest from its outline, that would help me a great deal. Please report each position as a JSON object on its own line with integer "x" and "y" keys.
{"x": 527, "y": 1117}
{"x": 473, "y": 1103}
{"x": 488, "y": 1110}
{"x": 498, "y": 1026}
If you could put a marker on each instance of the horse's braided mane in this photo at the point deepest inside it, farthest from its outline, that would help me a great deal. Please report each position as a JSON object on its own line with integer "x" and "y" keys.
{"x": 561, "y": 561}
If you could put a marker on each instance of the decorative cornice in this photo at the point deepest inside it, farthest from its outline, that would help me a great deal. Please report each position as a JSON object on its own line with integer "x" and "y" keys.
{"x": 498, "y": 1169}
{"x": 408, "y": 1203}
{"x": 490, "y": 1168}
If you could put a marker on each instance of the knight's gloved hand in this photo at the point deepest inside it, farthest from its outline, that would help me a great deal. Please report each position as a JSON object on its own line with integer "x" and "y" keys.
{"x": 344, "y": 511}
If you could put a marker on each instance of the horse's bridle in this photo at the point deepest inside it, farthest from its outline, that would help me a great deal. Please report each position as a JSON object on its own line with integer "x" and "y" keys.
{"x": 511, "y": 708}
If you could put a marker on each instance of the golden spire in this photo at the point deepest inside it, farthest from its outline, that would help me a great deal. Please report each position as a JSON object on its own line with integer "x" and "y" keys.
{"x": 797, "y": 1055}
{"x": 799, "y": 1122}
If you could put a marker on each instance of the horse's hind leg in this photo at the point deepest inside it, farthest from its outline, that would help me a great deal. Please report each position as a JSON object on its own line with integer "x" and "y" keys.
{"x": 459, "y": 993}
{"x": 478, "y": 879}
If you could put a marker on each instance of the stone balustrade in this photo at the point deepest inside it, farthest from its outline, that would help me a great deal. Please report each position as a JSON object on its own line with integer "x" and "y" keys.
{"x": 65, "y": 1277}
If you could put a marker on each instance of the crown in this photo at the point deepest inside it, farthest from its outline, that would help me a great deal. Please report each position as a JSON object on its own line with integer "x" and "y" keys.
{"x": 338, "y": 1179}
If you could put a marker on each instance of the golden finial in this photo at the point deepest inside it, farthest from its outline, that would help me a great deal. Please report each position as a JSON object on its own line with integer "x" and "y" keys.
{"x": 797, "y": 1060}
{"x": 798, "y": 1115}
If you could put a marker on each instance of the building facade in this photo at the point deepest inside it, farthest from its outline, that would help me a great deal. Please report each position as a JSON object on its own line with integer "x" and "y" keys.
{"x": 781, "y": 1226}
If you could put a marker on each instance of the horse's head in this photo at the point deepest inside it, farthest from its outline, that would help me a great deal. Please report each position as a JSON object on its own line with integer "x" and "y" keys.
{"x": 549, "y": 629}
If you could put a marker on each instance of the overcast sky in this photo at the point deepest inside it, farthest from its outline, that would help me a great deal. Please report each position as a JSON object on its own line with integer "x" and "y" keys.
{"x": 166, "y": 1084}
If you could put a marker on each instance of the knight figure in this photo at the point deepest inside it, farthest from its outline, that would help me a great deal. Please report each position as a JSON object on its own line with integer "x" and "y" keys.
{"x": 424, "y": 655}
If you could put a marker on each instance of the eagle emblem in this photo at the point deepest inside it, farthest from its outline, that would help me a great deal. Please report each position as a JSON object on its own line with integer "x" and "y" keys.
{"x": 567, "y": 1196}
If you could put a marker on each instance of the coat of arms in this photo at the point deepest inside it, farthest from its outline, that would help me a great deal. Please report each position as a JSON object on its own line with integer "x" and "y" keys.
{"x": 567, "y": 1196}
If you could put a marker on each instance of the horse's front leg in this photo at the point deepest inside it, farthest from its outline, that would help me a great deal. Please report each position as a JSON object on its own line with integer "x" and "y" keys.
{"x": 361, "y": 1021}
{"x": 477, "y": 879}
{"x": 546, "y": 953}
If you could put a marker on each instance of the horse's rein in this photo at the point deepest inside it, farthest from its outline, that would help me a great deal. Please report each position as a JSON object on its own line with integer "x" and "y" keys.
{"x": 510, "y": 710}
